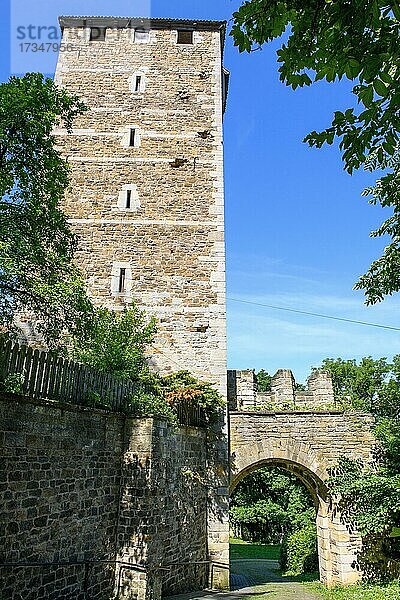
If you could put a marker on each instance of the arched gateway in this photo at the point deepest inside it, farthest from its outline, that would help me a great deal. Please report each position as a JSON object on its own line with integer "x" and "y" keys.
{"x": 307, "y": 444}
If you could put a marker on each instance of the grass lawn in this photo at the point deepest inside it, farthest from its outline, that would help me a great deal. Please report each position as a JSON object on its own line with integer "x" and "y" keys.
{"x": 357, "y": 592}
{"x": 241, "y": 549}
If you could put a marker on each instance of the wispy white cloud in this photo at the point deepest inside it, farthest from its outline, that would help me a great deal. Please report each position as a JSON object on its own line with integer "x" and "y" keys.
{"x": 260, "y": 274}
{"x": 251, "y": 262}
{"x": 260, "y": 337}
{"x": 263, "y": 275}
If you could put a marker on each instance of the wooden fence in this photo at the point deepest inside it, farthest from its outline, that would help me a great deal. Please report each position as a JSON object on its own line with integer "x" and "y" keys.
{"x": 191, "y": 416}
{"x": 43, "y": 375}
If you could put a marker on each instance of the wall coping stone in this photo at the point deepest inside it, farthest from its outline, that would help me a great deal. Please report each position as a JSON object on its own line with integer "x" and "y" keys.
{"x": 294, "y": 412}
{"x": 10, "y": 397}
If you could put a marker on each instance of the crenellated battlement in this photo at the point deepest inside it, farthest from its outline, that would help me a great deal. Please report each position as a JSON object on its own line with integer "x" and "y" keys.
{"x": 284, "y": 392}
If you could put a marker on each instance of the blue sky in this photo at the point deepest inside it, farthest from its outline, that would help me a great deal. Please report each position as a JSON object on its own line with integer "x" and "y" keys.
{"x": 297, "y": 228}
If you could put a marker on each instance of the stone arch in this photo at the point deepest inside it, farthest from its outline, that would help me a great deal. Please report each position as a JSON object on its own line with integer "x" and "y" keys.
{"x": 314, "y": 485}
{"x": 299, "y": 457}
{"x": 337, "y": 547}
{"x": 286, "y": 450}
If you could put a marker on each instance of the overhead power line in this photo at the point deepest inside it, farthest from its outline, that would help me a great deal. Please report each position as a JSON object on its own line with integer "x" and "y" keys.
{"x": 312, "y": 314}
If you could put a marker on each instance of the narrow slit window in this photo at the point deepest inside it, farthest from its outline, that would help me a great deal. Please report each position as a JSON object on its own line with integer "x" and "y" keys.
{"x": 122, "y": 281}
{"x": 138, "y": 83}
{"x": 185, "y": 36}
{"x": 97, "y": 34}
{"x": 128, "y": 198}
{"x": 132, "y": 137}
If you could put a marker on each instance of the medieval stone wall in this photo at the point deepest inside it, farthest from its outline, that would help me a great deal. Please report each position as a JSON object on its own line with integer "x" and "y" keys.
{"x": 171, "y": 239}
{"x": 315, "y": 439}
{"x": 163, "y": 518}
{"x": 88, "y": 495}
{"x": 308, "y": 444}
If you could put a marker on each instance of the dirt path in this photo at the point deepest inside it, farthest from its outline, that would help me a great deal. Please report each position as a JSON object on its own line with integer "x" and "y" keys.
{"x": 255, "y": 578}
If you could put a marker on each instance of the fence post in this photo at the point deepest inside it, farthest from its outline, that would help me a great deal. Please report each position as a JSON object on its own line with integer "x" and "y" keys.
{"x": 50, "y": 376}
{"x": 40, "y": 374}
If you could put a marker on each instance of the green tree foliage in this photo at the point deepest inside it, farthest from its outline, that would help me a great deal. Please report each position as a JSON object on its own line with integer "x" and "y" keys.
{"x": 370, "y": 384}
{"x": 299, "y": 552}
{"x": 270, "y": 503}
{"x": 263, "y": 380}
{"x": 300, "y": 387}
{"x": 149, "y": 403}
{"x": 182, "y": 388}
{"x": 176, "y": 394}
{"x": 264, "y": 520}
{"x": 358, "y": 40}
{"x": 36, "y": 244}
{"x": 116, "y": 343}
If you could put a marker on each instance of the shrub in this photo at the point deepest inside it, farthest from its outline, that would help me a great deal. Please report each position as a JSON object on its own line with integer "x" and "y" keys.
{"x": 162, "y": 397}
{"x": 182, "y": 388}
{"x": 148, "y": 404}
{"x": 116, "y": 342}
{"x": 14, "y": 383}
{"x": 299, "y": 551}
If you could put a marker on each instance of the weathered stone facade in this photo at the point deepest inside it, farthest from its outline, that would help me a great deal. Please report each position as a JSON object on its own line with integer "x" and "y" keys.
{"x": 98, "y": 505}
{"x": 95, "y": 505}
{"x": 168, "y": 237}
{"x": 147, "y": 194}
{"x": 308, "y": 444}
{"x": 133, "y": 508}
{"x": 243, "y": 392}
{"x": 163, "y": 515}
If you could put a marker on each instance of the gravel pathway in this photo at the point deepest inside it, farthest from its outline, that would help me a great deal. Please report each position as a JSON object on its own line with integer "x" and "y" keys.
{"x": 251, "y": 576}
{"x": 255, "y": 578}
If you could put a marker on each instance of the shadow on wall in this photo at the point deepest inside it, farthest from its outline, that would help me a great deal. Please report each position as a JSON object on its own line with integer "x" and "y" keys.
{"x": 163, "y": 516}
{"x": 99, "y": 504}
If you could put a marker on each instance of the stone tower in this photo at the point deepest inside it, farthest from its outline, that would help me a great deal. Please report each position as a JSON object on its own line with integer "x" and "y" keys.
{"x": 146, "y": 197}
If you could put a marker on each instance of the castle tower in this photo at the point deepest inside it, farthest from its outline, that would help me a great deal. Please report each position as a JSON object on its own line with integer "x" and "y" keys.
{"x": 146, "y": 197}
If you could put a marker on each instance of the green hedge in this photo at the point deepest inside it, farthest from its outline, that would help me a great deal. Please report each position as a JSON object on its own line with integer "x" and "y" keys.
{"x": 299, "y": 551}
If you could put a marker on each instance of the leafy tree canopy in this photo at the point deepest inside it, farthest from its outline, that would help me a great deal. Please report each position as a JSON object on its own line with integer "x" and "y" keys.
{"x": 270, "y": 503}
{"x": 370, "y": 384}
{"x": 36, "y": 244}
{"x": 358, "y": 40}
{"x": 116, "y": 343}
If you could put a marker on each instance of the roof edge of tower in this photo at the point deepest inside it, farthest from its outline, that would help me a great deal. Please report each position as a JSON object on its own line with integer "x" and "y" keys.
{"x": 132, "y": 22}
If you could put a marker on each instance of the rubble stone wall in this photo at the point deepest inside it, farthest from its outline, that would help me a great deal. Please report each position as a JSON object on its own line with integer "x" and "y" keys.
{"x": 308, "y": 444}
{"x": 171, "y": 239}
{"x": 95, "y": 504}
